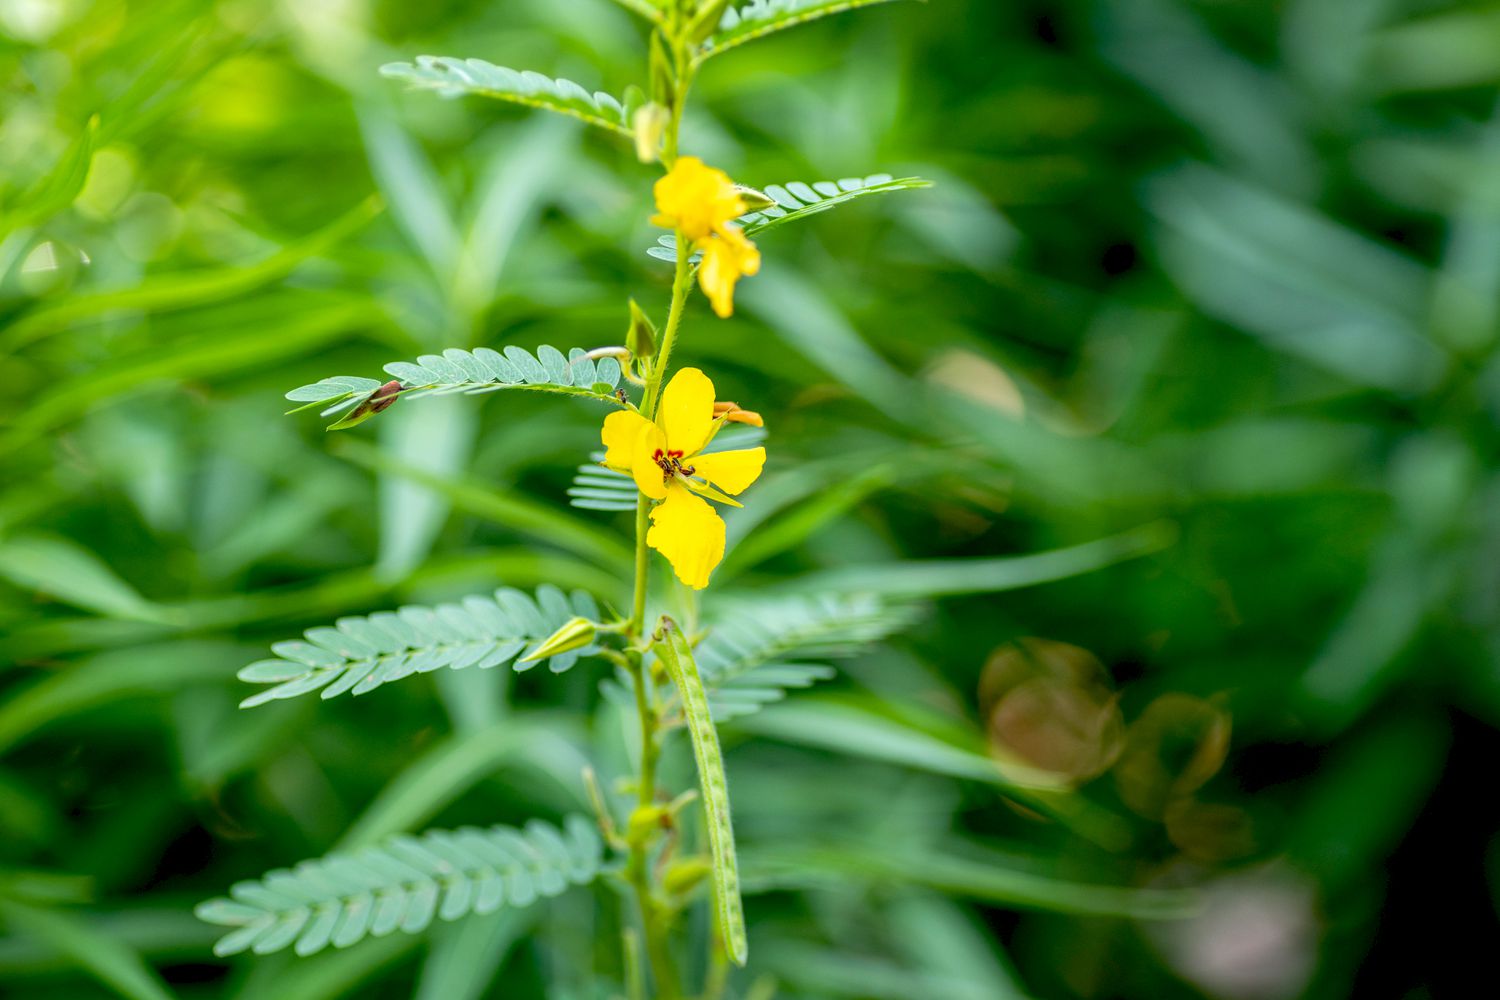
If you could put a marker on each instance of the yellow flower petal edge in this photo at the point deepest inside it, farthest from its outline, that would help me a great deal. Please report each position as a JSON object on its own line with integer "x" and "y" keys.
{"x": 621, "y": 429}
{"x": 726, "y": 259}
{"x": 686, "y": 530}
{"x": 696, "y": 199}
{"x": 731, "y": 471}
{"x": 686, "y": 414}
{"x": 665, "y": 459}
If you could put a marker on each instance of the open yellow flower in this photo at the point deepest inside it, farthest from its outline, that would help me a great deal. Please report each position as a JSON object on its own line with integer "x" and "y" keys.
{"x": 702, "y": 203}
{"x": 665, "y": 458}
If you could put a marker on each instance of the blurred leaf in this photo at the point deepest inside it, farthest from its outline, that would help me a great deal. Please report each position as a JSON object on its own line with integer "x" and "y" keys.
{"x": 940, "y": 577}
{"x": 463, "y": 962}
{"x": 759, "y": 18}
{"x": 452, "y": 767}
{"x": 458, "y": 77}
{"x": 107, "y": 677}
{"x": 182, "y": 291}
{"x": 104, "y": 958}
{"x": 64, "y": 570}
{"x": 966, "y": 870}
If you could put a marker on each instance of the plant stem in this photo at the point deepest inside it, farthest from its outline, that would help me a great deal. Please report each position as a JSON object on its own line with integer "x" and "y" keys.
{"x": 655, "y": 917}
{"x": 682, "y": 284}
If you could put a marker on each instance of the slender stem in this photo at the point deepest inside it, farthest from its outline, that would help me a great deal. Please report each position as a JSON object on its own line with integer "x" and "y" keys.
{"x": 654, "y": 919}
{"x": 642, "y": 569}
{"x": 682, "y": 284}
{"x": 655, "y": 915}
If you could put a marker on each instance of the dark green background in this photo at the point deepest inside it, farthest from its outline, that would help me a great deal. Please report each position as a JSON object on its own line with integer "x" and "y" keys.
{"x": 1224, "y": 273}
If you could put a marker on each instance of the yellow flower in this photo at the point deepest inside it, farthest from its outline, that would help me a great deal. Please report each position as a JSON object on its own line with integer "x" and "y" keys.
{"x": 725, "y": 259}
{"x": 696, "y": 199}
{"x": 665, "y": 458}
{"x": 702, "y": 203}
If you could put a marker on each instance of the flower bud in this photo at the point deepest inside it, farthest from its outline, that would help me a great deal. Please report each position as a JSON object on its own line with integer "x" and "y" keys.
{"x": 640, "y": 339}
{"x": 755, "y": 201}
{"x": 686, "y": 874}
{"x": 730, "y": 412}
{"x": 644, "y": 823}
{"x": 378, "y": 400}
{"x": 574, "y": 634}
{"x": 650, "y": 122}
{"x": 710, "y": 13}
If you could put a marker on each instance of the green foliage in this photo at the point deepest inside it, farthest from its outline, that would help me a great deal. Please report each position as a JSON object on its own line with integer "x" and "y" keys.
{"x": 360, "y": 654}
{"x": 796, "y": 200}
{"x": 452, "y": 77}
{"x": 472, "y": 373}
{"x": 401, "y": 884}
{"x": 753, "y": 652}
{"x": 760, "y": 18}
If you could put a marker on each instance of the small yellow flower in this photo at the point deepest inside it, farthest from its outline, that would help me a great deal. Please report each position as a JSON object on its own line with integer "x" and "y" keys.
{"x": 665, "y": 458}
{"x": 702, "y": 203}
{"x": 696, "y": 199}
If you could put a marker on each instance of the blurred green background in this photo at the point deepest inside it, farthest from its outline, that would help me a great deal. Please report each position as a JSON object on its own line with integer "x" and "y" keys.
{"x": 1203, "y": 307}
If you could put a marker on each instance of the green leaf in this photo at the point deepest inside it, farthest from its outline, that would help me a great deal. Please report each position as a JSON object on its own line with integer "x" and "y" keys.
{"x": 508, "y": 508}
{"x": 403, "y": 884}
{"x": 472, "y": 373}
{"x": 943, "y": 577}
{"x": 109, "y": 677}
{"x": 752, "y": 656}
{"x": 969, "y": 870}
{"x": 104, "y": 958}
{"x": 760, "y": 18}
{"x": 796, "y": 200}
{"x": 645, "y": 8}
{"x": 59, "y": 188}
{"x": 452, "y": 77}
{"x": 361, "y": 654}
{"x": 182, "y": 290}
{"x": 676, "y": 656}
{"x": 67, "y": 572}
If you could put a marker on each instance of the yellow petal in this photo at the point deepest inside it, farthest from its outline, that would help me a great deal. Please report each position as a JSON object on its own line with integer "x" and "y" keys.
{"x": 650, "y": 443}
{"x": 621, "y": 429}
{"x": 726, "y": 258}
{"x": 688, "y": 532}
{"x": 687, "y": 411}
{"x": 696, "y": 198}
{"x": 730, "y": 471}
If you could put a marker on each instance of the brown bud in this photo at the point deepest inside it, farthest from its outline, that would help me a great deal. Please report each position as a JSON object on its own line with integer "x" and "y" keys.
{"x": 378, "y": 400}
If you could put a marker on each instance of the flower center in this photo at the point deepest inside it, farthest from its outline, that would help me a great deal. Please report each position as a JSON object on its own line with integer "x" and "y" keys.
{"x": 671, "y": 464}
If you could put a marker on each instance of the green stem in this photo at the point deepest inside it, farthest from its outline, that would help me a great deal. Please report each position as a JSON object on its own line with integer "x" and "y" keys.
{"x": 682, "y": 284}
{"x": 655, "y": 916}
